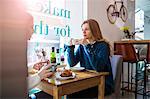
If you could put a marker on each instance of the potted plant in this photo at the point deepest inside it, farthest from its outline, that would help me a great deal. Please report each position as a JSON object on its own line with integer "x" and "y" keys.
{"x": 127, "y": 33}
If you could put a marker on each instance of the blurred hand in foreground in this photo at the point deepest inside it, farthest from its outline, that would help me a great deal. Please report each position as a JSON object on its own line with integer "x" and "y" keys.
{"x": 39, "y": 65}
{"x": 45, "y": 72}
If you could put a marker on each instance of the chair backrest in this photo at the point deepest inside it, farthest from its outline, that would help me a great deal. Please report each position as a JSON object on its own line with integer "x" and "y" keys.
{"x": 116, "y": 63}
{"x": 127, "y": 51}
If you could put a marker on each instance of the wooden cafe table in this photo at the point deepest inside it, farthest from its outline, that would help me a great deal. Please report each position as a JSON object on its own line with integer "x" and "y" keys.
{"x": 83, "y": 80}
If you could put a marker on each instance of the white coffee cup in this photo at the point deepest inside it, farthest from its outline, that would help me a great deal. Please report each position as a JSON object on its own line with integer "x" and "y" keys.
{"x": 76, "y": 41}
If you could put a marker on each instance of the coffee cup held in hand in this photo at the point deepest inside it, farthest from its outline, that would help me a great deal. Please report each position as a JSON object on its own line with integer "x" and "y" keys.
{"x": 72, "y": 41}
{"x": 76, "y": 41}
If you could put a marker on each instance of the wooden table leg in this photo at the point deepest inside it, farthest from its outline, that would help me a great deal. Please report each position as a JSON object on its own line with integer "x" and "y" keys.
{"x": 56, "y": 94}
{"x": 101, "y": 88}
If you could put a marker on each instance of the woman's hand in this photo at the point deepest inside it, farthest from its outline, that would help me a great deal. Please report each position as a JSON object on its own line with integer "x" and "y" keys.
{"x": 45, "y": 72}
{"x": 79, "y": 41}
{"x": 72, "y": 41}
{"x": 84, "y": 41}
{"x": 69, "y": 41}
{"x": 39, "y": 65}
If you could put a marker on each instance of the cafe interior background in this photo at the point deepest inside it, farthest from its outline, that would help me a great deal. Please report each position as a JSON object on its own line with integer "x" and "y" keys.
{"x": 55, "y": 21}
{"x": 58, "y": 20}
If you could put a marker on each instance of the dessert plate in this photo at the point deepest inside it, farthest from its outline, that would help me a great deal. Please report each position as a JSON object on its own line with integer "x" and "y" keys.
{"x": 57, "y": 75}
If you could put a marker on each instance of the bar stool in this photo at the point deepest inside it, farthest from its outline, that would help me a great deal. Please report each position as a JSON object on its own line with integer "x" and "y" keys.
{"x": 144, "y": 55}
{"x": 147, "y": 70}
{"x": 129, "y": 55}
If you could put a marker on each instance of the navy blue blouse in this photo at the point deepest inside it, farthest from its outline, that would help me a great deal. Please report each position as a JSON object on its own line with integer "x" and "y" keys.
{"x": 93, "y": 57}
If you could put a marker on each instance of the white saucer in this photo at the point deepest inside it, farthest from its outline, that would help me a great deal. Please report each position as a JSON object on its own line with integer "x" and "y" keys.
{"x": 77, "y": 68}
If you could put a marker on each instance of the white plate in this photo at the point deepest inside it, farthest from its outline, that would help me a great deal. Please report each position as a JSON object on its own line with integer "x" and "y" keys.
{"x": 57, "y": 75}
{"x": 77, "y": 68}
